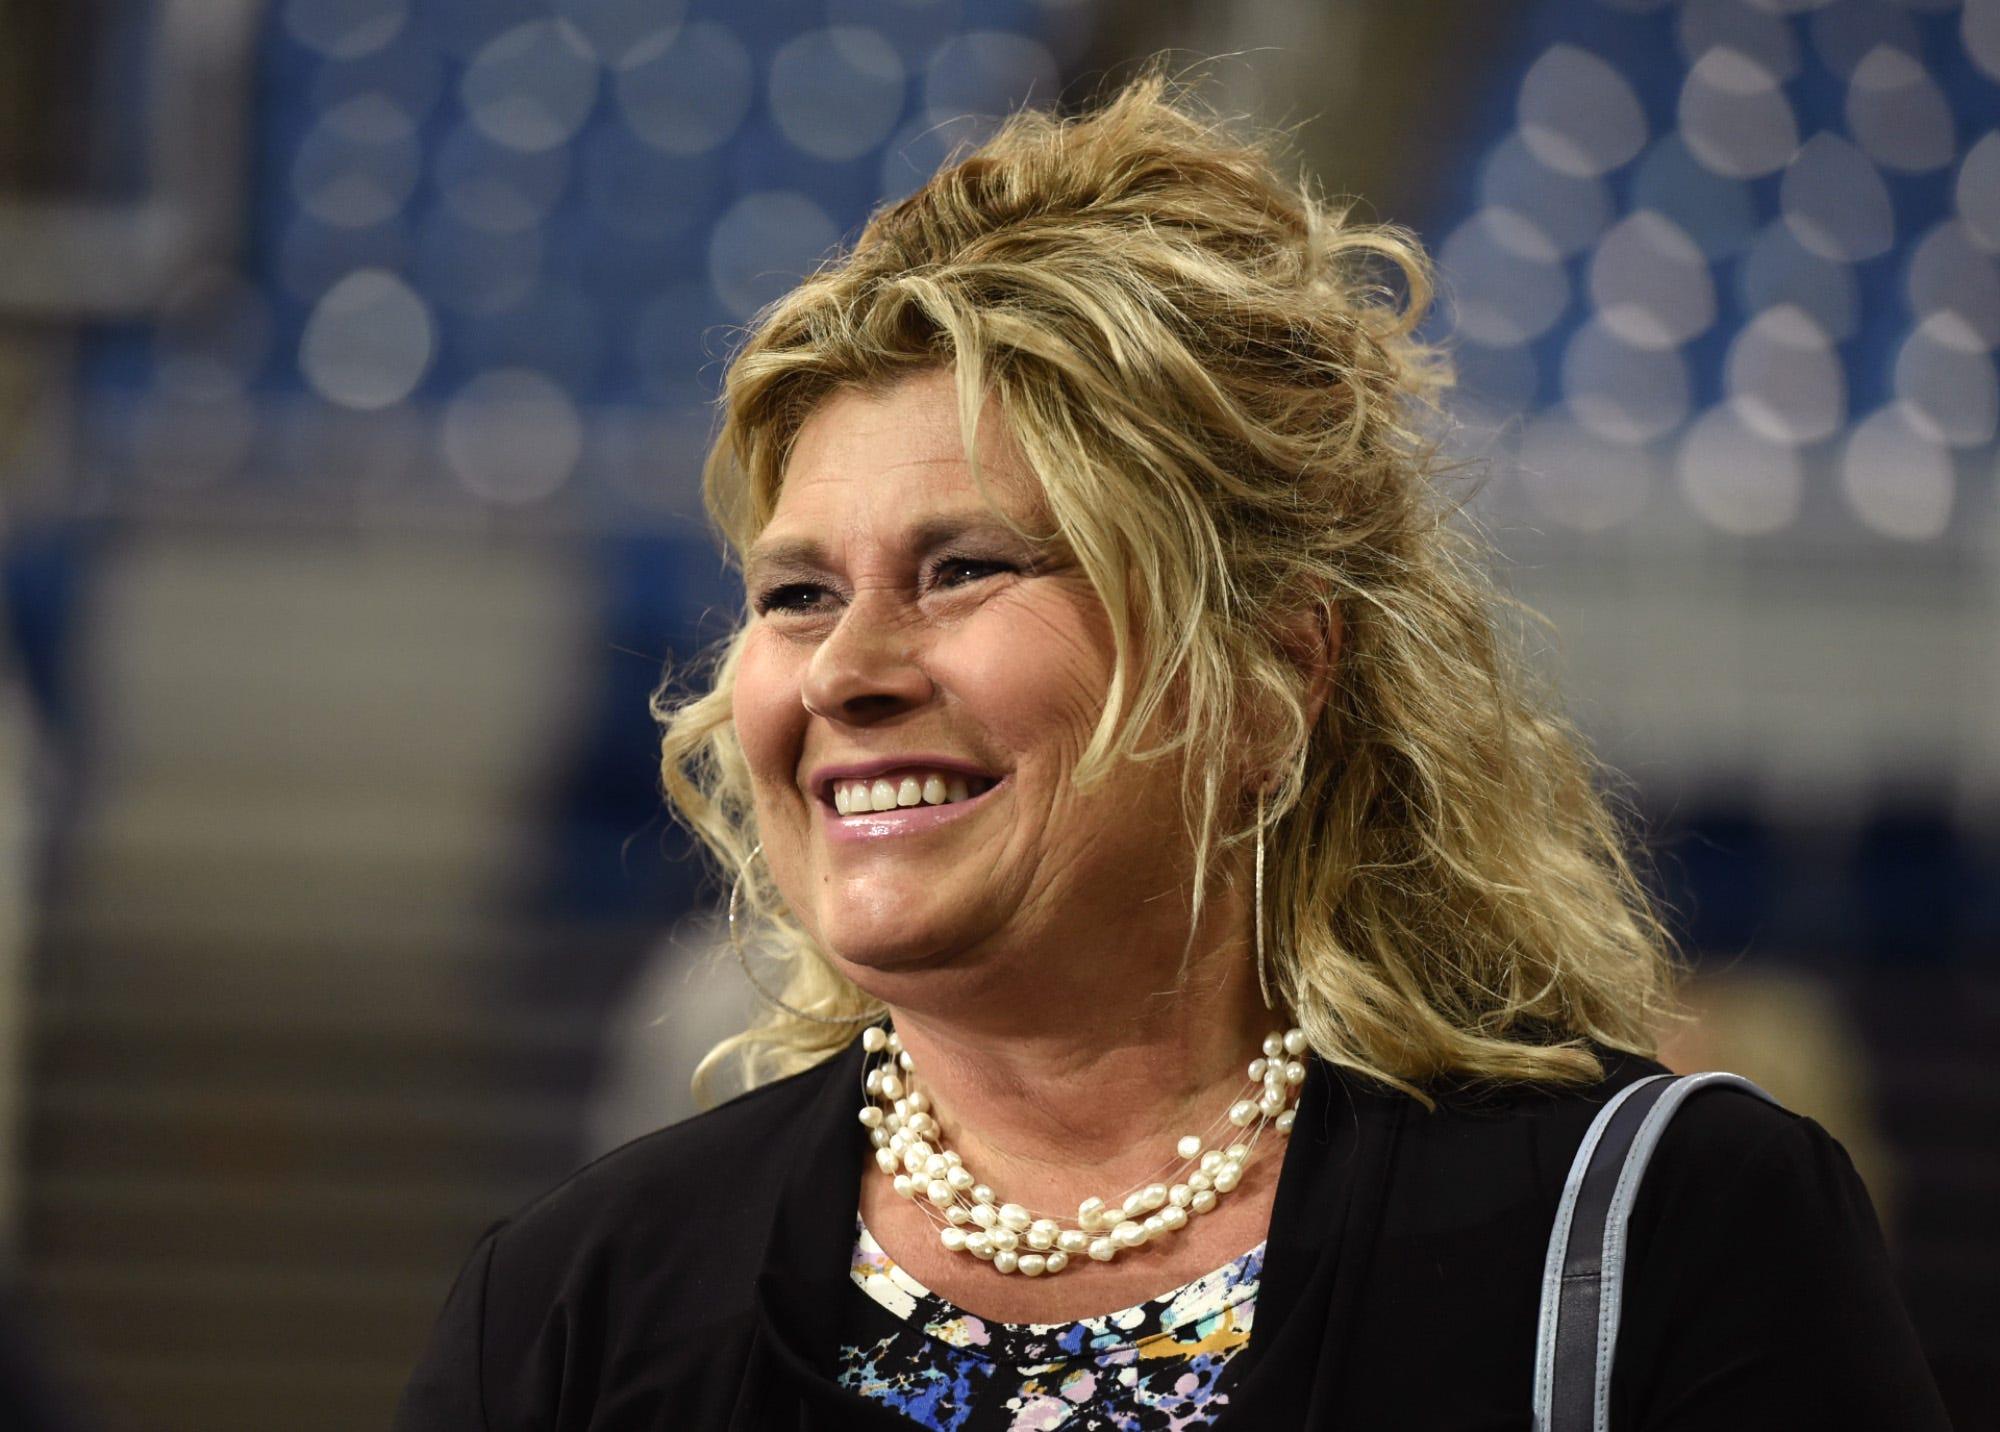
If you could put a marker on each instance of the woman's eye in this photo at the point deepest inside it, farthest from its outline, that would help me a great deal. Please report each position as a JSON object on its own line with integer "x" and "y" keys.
{"x": 792, "y": 597}
{"x": 957, "y": 571}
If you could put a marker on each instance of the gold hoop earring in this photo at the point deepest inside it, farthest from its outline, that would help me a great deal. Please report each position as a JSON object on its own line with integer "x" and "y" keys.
{"x": 736, "y": 944}
{"x": 1257, "y": 913}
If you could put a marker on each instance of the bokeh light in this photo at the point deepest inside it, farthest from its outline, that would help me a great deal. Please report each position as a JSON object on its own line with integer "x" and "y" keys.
{"x": 1734, "y": 116}
{"x": 511, "y": 436}
{"x": 369, "y": 341}
{"x": 1736, "y": 479}
{"x": 1896, "y": 479}
{"x": 1651, "y": 283}
{"x": 693, "y": 94}
{"x": 1578, "y": 114}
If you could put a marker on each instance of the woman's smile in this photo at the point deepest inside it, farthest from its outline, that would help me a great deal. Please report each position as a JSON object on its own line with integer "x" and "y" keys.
{"x": 904, "y": 817}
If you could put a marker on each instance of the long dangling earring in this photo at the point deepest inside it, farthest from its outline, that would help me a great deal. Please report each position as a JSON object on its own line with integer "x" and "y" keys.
{"x": 736, "y": 944}
{"x": 1257, "y": 914}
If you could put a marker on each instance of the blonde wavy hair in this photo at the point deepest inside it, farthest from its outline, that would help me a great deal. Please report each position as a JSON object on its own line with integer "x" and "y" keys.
{"x": 1216, "y": 377}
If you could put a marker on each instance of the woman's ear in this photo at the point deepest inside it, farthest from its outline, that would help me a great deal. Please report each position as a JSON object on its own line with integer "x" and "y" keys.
{"x": 1312, "y": 638}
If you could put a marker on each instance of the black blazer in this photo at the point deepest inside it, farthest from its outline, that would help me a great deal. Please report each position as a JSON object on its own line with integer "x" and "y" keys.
{"x": 694, "y": 1279}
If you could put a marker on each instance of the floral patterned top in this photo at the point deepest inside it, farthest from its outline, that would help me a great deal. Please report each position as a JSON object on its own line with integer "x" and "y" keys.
{"x": 1160, "y": 1366}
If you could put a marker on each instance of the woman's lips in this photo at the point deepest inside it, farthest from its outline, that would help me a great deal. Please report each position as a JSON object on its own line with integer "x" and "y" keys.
{"x": 904, "y": 820}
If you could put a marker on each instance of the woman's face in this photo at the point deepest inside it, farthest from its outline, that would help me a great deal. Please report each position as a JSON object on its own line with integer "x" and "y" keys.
{"x": 906, "y": 639}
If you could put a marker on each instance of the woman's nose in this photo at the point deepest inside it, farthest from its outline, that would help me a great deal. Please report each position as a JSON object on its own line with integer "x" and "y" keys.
{"x": 867, "y": 668}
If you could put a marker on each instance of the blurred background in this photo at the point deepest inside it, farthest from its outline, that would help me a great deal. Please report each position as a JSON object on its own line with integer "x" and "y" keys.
{"x": 355, "y": 362}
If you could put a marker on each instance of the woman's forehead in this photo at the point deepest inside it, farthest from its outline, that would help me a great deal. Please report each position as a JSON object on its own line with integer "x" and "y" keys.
{"x": 882, "y": 458}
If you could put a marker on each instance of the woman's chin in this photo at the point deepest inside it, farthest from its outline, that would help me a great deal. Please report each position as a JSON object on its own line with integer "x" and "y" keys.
{"x": 879, "y": 959}
{"x": 863, "y": 959}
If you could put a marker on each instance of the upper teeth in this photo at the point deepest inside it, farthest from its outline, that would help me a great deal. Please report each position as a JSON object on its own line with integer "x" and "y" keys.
{"x": 906, "y": 789}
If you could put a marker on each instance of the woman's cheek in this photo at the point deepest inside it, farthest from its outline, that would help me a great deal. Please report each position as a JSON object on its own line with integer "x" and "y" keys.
{"x": 767, "y": 713}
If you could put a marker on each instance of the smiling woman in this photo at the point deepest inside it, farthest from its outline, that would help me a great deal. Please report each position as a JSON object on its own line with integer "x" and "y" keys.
{"x": 1200, "y": 950}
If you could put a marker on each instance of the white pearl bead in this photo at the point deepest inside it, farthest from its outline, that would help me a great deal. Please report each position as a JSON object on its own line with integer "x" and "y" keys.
{"x": 979, "y": 1245}
{"x": 1242, "y": 1113}
{"x": 887, "y": 1161}
{"x": 958, "y": 1176}
{"x": 920, "y": 1102}
{"x": 874, "y": 1039}
{"x": 1004, "y": 1237}
{"x": 895, "y": 1041}
{"x": 1295, "y": 1072}
{"x": 1295, "y": 1042}
{"x": 1155, "y": 1196}
{"x": 958, "y": 1215}
{"x": 1274, "y": 1045}
{"x": 1210, "y": 1161}
{"x": 871, "y": 1117}
{"x": 1236, "y": 1153}
{"x": 1103, "y": 1250}
{"x": 903, "y": 1109}
{"x": 1128, "y": 1234}
{"x": 879, "y": 1138}
{"x": 1073, "y": 1240}
{"x": 952, "y": 1238}
{"x": 952, "y": 1158}
{"x": 983, "y": 1215}
{"x": 1087, "y": 1211}
{"x": 981, "y": 1193}
{"x": 904, "y": 1186}
{"x": 1270, "y": 1102}
{"x": 1056, "y": 1261}
{"x": 1227, "y": 1178}
{"x": 1135, "y": 1203}
{"x": 1015, "y": 1216}
{"x": 904, "y": 1060}
{"x": 1004, "y": 1261}
{"x": 1173, "y": 1217}
{"x": 1153, "y": 1226}
{"x": 939, "y": 1193}
{"x": 1032, "y": 1264}
{"x": 1203, "y": 1201}
{"x": 1286, "y": 1120}
{"x": 1042, "y": 1235}
{"x": 1198, "y": 1181}
{"x": 1179, "y": 1194}
{"x": 1258, "y": 1068}
{"x": 1189, "y": 1146}
{"x": 892, "y": 1087}
{"x": 935, "y": 1166}
{"x": 873, "y": 1083}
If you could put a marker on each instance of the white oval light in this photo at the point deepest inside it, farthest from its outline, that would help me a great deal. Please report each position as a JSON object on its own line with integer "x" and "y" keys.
{"x": 1578, "y": 115}
{"x": 1734, "y": 117}
{"x": 369, "y": 341}
{"x": 1736, "y": 479}
{"x": 1651, "y": 283}
{"x": 1896, "y": 480}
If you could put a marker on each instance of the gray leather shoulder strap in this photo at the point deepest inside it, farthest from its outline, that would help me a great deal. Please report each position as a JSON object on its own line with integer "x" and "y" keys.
{"x": 1583, "y": 1276}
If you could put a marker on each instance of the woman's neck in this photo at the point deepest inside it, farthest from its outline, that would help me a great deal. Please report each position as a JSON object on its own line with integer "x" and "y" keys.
{"x": 1088, "y": 1094}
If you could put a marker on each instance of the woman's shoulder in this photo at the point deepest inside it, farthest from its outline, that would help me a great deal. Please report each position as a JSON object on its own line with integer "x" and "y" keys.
{"x": 645, "y": 1260}
{"x": 719, "y": 1170}
{"x": 1713, "y": 1133}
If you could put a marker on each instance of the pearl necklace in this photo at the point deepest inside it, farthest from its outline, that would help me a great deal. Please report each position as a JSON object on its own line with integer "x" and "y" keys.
{"x": 909, "y": 1147}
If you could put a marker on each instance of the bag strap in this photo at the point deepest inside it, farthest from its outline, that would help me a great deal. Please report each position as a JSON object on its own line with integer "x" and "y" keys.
{"x": 1583, "y": 1276}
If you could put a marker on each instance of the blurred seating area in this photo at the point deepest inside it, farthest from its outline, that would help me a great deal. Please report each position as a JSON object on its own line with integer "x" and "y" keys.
{"x": 355, "y": 368}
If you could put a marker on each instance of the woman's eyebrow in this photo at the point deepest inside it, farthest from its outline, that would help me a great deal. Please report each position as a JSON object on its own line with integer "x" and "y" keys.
{"x": 930, "y": 533}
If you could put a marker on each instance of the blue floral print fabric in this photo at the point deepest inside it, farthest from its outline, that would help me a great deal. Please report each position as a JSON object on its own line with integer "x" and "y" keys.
{"x": 1160, "y": 1366}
